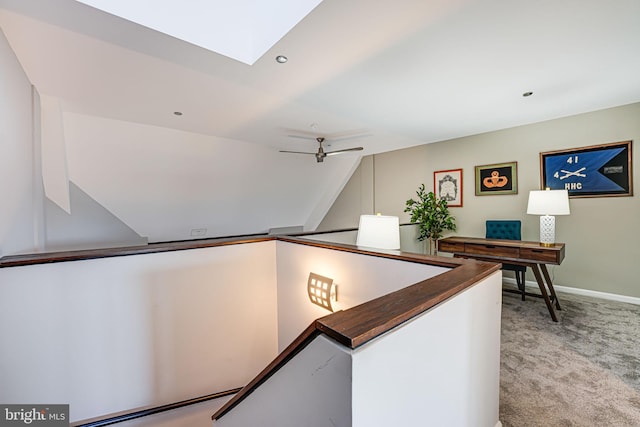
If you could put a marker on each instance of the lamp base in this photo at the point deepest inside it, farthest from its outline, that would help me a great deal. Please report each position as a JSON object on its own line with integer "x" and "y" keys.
{"x": 547, "y": 230}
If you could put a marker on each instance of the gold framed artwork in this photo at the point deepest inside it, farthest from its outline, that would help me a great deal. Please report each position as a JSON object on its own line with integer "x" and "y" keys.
{"x": 499, "y": 178}
{"x": 447, "y": 184}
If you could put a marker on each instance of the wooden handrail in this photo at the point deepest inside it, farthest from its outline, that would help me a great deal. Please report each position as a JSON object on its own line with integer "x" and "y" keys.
{"x": 139, "y": 413}
{"x": 360, "y": 324}
{"x": 79, "y": 255}
{"x": 84, "y": 254}
{"x": 287, "y": 354}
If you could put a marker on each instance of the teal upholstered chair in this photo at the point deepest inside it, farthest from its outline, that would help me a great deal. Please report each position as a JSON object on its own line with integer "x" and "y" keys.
{"x": 509, "y": 230}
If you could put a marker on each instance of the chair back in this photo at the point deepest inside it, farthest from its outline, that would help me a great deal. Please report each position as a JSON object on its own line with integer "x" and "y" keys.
{"x": 509, "y": 229}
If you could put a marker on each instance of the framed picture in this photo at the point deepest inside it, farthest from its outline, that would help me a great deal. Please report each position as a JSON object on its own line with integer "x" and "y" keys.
{"x": 501, "y": 178}
{"x": 448, "y": 185}
{"x": 596, "y": 171}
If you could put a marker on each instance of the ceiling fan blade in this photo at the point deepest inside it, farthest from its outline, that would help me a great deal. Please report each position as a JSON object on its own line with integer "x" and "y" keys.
{"x": 336, "y": 136}
{"x": 296, "y": 152}
{"x": 348, "y": 134}
{"x": 330, "y": 153}
{"x": 310, "y": 138}
{"x": 299, "y": 133}
{"x": 348, "y": 137}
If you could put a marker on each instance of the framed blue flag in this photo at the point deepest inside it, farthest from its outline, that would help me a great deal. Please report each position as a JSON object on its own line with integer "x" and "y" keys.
{"x": 595, "y": 171}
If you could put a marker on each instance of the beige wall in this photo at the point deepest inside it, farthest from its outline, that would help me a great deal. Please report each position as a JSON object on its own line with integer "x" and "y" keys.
{"x": 355, "y": 199}
{"x": 601, "y": 234}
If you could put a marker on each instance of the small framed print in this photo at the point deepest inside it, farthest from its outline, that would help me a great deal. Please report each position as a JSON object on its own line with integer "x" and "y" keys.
{"x": 448, "y": 185}
{"x": 595, "y": 171}
{"x": 500, "y": 178}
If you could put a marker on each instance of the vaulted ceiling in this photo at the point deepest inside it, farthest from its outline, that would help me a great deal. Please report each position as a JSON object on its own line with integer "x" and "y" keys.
{"x": 397, "y": 74}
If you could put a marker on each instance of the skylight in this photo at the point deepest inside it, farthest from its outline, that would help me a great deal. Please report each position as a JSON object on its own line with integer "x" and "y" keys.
{"x": 240, "y": 29}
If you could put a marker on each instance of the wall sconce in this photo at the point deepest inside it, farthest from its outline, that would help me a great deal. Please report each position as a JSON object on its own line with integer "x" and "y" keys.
{"x": 548, "y": 203}
{"x": 379, "y": 231}
{"x": 322, "y": 291}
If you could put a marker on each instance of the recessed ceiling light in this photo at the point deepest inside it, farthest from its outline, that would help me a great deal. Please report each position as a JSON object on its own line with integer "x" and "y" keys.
{"x": 281, "y": 59}
{"x": 527, "y": 94}
{"x": 177, "y": 113}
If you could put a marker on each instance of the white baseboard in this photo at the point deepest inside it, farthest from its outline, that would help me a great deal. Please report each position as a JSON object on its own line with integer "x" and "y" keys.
{"x": 578, "y": 291}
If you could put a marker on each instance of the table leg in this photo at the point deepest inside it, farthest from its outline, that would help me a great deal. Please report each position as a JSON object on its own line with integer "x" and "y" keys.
{"x": 545, "y": 272}
{"x": 543, "y": 290}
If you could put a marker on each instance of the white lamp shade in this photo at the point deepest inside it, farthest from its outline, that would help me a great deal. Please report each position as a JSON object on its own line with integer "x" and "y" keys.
{"x": 379, "y": 231}
{"x": 548, "y": 202}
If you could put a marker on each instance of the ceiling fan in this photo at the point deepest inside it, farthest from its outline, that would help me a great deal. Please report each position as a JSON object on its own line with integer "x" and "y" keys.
{"x": 321, "y": 154}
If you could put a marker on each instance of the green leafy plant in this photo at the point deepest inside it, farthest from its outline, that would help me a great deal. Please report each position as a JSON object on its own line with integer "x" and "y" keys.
{"x": 431, "y": 215}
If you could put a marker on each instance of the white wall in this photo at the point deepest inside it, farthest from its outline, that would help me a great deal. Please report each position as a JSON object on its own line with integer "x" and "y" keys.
{"x": 113, "y": 334}
{"x": 16, "y": 156}
{"x": 54, "y": 154}
{"x": 439, "y": 369}
{"x": 360, "y": 278}
{"x": 162, "y": 182}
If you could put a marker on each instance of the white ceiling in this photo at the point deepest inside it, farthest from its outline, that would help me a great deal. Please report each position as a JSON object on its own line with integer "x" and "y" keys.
{"x": 407, "y": 72}
{"x": 410, "y": 71}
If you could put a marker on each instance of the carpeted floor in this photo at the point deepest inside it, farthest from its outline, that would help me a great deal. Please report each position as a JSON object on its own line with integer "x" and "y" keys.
{"x": 581, "y": 371}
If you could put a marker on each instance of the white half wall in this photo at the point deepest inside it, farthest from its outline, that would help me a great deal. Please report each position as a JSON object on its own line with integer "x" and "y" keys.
{"x": 360, "y": 278}
{"x": 113, "y": 334}
{"x": 439, "y": 369}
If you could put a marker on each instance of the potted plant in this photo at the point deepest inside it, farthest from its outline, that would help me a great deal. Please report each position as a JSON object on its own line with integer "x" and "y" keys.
{"x": 431, "y": 215}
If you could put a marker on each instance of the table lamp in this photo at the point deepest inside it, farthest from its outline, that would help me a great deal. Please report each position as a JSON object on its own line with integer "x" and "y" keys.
{"x": 379, "y": 232}
{"x": 548, "y": 203}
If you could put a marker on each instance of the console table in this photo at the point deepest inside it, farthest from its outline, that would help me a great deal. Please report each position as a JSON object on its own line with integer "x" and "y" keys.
{"x": 529, "y": 254}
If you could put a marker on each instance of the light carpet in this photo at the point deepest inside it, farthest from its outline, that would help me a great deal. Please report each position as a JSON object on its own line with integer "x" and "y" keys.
{"x": 582, "y": 371}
